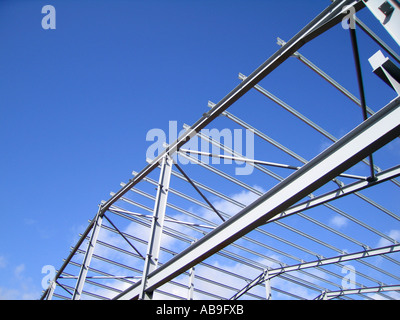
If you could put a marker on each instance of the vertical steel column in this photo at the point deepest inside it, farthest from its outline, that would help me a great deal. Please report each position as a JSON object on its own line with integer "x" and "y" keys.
{"x": 88, "y": 256}
{"x": 369, "y": 136}
{"x": 322, "y": 296}
{"x": 153, "y": 248}
{"x": 191, "y": 283}
{"x": 50, "y": 290}
{"x": 267, "y": 282}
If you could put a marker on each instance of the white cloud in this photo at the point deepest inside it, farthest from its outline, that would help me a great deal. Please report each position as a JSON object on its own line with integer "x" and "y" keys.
{"x": 244, "y": 197}
{"x": 9, "y": 294}
{"x": 394, "y": 234}
{"x": 338, "y": 221}
{"x": 18, "y": 271}
{"x": 115, "y": 239}
{"x": 247, "y": 197}
{"x": 142, "y": 232}
{"x": 22, "y": 286}
{"x": 223, "y": 278}
{"x": 393, "y": 294}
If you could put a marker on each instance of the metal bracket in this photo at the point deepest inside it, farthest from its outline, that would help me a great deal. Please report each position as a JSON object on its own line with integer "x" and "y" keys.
{"x": 388, "y": 13}
{"x": 386, "y": 9}
{"x": 386, "y": 70}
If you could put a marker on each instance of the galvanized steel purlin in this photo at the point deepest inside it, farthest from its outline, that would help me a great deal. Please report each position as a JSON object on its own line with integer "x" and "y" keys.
{"x": 88, "y": 256}
{"x": 334, "y": 160}
{"x": 198, "y": 190}
{"x": 383, "y": 176}
{"x": 301, "y": 117}
{"x": 321, "y": 262}
{"x": 327, "y": 295}
{"x": 308, "y": 203}
{"x": 316, "y": 127}
{"x": 313, "y": 29}
{"x": 217, "y": 109}
{"x": 378, "y": 40}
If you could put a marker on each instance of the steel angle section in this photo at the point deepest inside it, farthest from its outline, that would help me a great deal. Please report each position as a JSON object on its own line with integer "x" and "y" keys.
{"x": 321, "y": 23}
{"x": 388, "y": 14}
{"x": 352, "y": 188}
{"x": 368, "y": 137}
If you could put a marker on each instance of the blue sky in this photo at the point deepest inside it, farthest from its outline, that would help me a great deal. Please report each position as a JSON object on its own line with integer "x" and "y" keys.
{"x": 76, "y": 102}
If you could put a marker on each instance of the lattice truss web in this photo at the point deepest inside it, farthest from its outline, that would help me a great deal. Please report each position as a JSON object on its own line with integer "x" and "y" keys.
{"x": 202, "y": 221}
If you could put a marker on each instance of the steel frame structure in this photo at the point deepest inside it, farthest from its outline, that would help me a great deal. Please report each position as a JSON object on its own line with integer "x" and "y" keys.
{"x": 207, "y": 253}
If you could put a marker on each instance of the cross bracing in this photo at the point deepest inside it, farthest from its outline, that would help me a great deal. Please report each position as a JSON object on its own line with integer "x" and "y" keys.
{"x": 321, "y": 225}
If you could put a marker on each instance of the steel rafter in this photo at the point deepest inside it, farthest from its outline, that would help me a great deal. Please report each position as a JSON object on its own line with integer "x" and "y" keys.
{"x": 242, "y": 231}
{"x": 327, "y": 295}
{"x": 268, "y": 274}
{"x": 366, "y": 138}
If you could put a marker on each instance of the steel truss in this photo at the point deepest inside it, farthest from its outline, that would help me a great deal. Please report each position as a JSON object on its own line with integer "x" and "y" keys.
{"x": 186, "y": 242}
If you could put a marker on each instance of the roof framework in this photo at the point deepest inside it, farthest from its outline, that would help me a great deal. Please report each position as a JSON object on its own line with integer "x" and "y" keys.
{"x": 189, "y": 227}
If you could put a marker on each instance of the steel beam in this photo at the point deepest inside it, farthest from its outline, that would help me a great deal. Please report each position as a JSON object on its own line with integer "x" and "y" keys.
{"x": 383, "y": 177}
{"x": 191, "y": 283}
{"x": 299, "y": 116}
{"x": 50, "y": 290}
{"x": 337, "y": 259}
{"x": 341, "y": 192}
{"x": 330, "y": 206}
{"x": 329, "y": 17}
{"x": 324, "y": 21}
{"x": 334, "y": 294}
{"x": 263, "y": 232}
{"x": 113, "y": 209}
{"x": 379, "y": 41}
{"x": 388, "y": 14}
{"x": 266, "y": 163}
{"x": 267, "y": 283}
{"x": 153, "y": 248}
{"x": 263, "y": 276}
{"x": 325, "y": 76}
{"x": 199, "y": 192}
{"x": 241, "y": 259}
{"x": 317, "y": 263}
{"x": 368, "y": 137}
{"x": 88, "y": 257}
{"x": 307, "y": 217}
